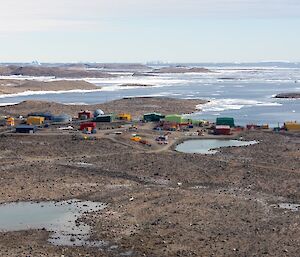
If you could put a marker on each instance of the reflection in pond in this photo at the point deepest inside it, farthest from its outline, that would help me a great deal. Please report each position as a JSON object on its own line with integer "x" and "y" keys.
{"x": 208, "y": 146}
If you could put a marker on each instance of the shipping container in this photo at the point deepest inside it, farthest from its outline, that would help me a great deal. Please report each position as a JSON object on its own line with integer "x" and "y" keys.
{"x": 222, "y": 130}
{"x": 88, "y": 125}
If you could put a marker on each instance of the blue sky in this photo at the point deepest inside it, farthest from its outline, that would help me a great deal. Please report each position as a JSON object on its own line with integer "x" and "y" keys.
{"x": 144, "y": 30}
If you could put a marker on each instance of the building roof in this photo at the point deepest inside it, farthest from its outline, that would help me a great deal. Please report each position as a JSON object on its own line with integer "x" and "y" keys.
{"x": 26, "y": 127}
{"x": 222, "y": 127}
{"x": 153, "y": 113}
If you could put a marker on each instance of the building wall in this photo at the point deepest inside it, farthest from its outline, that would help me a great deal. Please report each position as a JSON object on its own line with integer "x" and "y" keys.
{"x": 174, "y": 118}
{"x": 35, "y": 120}
{"x": 292, "y": 126}
{"x": 225, "y": 121}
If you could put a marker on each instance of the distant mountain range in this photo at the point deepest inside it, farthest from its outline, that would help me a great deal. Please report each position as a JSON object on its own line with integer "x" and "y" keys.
{"x": 232, "y": 64}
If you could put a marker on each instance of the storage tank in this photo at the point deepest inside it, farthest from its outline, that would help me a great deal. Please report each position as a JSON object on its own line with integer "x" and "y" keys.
{"x": 63, "y": 118}
{"x": 98, "y": 112}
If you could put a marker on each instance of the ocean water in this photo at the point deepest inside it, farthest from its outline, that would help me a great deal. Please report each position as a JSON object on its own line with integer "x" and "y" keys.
{"x": 243, "y": 92}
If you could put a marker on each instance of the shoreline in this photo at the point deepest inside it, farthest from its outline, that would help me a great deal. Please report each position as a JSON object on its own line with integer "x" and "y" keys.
{"x": 292, "y": 95}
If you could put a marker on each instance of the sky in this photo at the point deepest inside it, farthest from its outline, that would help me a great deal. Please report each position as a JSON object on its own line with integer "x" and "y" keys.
{"x": 149, "y": 30}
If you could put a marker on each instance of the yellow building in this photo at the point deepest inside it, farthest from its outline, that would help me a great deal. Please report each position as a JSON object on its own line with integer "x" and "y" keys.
{"x": 35, "y": 120}
{"x": 10, "y": 122}
{"x": 292, "y": 126}
{"x": 125, "y": 116}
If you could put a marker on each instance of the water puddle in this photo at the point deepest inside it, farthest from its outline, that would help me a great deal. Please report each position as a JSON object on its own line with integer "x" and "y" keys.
{"x": 289, "y": 206}
{"x": 59, "y": 218}
{"x": 84, "y": 164}
{"x": 209, "y": 146}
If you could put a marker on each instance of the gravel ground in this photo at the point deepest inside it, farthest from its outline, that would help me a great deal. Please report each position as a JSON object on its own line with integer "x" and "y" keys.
{"x": 160, "y": 203}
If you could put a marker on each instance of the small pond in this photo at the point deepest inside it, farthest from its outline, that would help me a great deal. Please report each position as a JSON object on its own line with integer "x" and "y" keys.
{"x": 59, "y": 218}
{"x": 289, "y": 206}
{"x": 209, "y": 146}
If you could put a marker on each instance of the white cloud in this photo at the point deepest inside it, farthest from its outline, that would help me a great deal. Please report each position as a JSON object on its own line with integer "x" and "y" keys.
{"x": 44, "y": 15}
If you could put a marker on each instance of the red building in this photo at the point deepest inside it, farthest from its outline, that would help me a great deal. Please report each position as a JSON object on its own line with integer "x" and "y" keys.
{"x": 252, "y": 126}
{"x": 85, "y": 115}
{"x": 85, "y": 125}
{"x": 222, "y": 130}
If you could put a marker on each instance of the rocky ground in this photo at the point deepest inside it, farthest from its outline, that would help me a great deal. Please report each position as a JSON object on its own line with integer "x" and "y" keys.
{"x": 90, "y": 70}
{"x": 13, "y": 86}
{"x": 136, "y": 85}
{"x": 160, "y": 203}
{"x": 52, "y": 71}
{"x": 181, "y": 69}
{"x": 135, "y": 106}
{"x": 288, "y": 95}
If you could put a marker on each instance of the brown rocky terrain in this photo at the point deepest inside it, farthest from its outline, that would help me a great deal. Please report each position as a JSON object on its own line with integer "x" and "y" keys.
{"x": 160, "y": 203}
{"x": 135, "y": 106}
{"x": 181, "y": 70}
{"x": 118, "y": 66}
{"x": 12, "y": 86}
{"x": 288, "y": 95}
{"x": 58, "y": 72}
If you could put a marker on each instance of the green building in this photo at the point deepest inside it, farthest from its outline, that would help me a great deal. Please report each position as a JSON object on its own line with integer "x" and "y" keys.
{"x": 174, "y": 118}
{"x": 225, "y": 121}
{"x": 194, "y": 122}
{"x": 104, "y": 118}
{"x": 152, "y": 117}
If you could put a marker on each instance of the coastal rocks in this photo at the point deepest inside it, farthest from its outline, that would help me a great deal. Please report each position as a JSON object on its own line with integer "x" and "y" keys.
{"x": 57, "y": 72}
{"x": 289, "y": 95}
{"x": 181, "y": 69}
{"x": 12, "y": 86}
{"x": 136, "y": 85}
